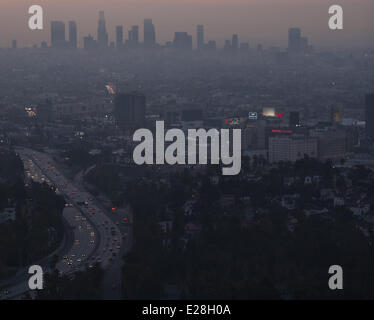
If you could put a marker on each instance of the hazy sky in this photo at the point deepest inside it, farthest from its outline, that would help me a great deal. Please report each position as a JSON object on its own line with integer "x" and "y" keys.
{"x": 257, "y": 21}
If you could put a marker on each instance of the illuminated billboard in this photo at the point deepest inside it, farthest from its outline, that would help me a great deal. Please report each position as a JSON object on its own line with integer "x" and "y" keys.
{"x": 268, "y": 112}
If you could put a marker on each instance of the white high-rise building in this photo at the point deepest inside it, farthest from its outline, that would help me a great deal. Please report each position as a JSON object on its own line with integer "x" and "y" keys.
{"x": 291, "y": 148}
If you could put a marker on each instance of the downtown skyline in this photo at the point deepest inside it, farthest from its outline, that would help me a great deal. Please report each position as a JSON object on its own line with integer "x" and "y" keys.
{"x": 65, "y": 35}
{"x": 253, "y": 22}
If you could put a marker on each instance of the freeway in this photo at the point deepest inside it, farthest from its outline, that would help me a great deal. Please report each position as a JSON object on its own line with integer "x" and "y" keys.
{"x": 96, "y": 238}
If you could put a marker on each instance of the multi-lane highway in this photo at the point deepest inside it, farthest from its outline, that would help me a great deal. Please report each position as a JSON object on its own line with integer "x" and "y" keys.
{"x": 97, "y": 239}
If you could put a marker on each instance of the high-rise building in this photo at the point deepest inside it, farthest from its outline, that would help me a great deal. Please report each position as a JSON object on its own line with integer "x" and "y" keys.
{"x": 294, "y": 119}
{"x": 89, "y": 43}
{"x": 73, "y": 38}
{"x": 14, "y": 44}
{"x": 58, "y": 34}
{"x": 294, "y": 40}
{"x": 369, "y": 115}
{"x": 235, "y": 42}
{"x": 149, "y": 34}
{"x": 102, "y": 35}
{"x": 182, "y": 40}
{"x": 200, "y": 37}
{"x": 133, "y": 36}
{"x": 119, "y": 37}
{"x": 291, "y": 148}
{"x": 130, "y": 110}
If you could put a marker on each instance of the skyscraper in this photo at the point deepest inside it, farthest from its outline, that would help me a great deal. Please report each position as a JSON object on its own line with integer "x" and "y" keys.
{"x": 149, "y": 34}
{"x": 119, "y": 37}
{"x": 200, "y": 36}
{"x": 369, "y": 115}
{"x": 182, "y": 40}
{"x": 89, "y": 43}
{"x": 235, "y": 42}
{"x": 133, "y": 36}
{"x": 294, "y": 40}
{"x": 130, "y": 110}
{"x": 73, "y": 34}
{"x": 102, "y": 35}
{"x": 57, "y": 34}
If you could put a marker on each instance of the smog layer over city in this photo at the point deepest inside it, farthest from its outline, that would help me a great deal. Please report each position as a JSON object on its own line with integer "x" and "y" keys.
{"x": 193, "y": 150}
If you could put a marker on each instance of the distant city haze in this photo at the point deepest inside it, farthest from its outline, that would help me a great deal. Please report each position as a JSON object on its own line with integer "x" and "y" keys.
{"x": 256, "y": 21}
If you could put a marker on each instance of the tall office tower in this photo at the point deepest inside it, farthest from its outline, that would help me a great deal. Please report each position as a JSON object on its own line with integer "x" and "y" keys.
{"x": 57, "y": 34}
{"x": 200, "y": 37}
{"x": 102, "y": 35}
{"x": 119, "y": 37}
{"x": 294, "y": 119}
{"x": 89, "y": 43}
{"x": 369, "y": 115}
{"x": 134, "y": 36}
{"x": 73, "y": 38}
{"x": 14, "y": 44}
{"x": 182, "y": 41}
{"x": 129, "y": 110}
{"x": 149, "y": 34}
{"x": 294, "y": 40}
{"x": 235, "y": 42}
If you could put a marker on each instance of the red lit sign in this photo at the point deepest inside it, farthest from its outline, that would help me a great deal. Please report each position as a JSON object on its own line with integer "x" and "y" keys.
{"x": 281, "y": 131}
